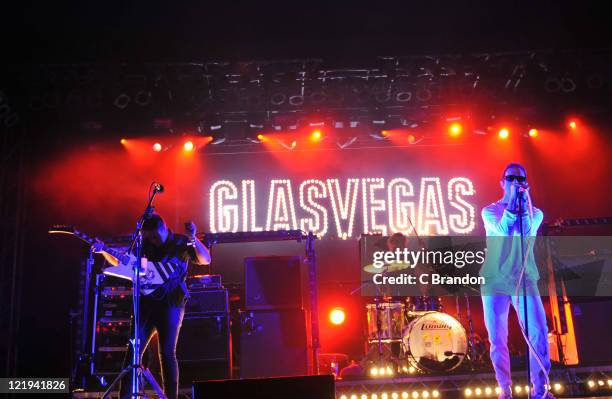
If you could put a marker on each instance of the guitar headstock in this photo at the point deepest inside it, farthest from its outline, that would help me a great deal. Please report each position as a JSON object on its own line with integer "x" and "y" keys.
{"x": 67, "y": 229}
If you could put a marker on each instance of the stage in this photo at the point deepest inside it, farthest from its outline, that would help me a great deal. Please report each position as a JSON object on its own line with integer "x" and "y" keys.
{"x": 566, "y": 382}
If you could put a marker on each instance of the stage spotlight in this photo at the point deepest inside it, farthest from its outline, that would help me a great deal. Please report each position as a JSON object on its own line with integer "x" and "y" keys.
{"x": 425, "y": 394}
{"x": 261, "y": 137}
{"x": 123, "y": 141}
{"x": 455, "y": 129}
{"x": 157, "y": 147}
{"x": 337, "y": 316}
{"x": 518, "y": 389}
{"x": 415, "y": 395}
{"x": 533, "y": 132}
{"x": 573, "y": 124}
{"x": 468, "y": 392}
{"x": 488, "y": 391}
{"x": 404, "y": 395}
{"x": 384, "y": 396}
{"x": 600, "y": 383}
{"x": 591, "y": 384}
{"x": 435, "y": 393}
{"x": 188, "y": 146}
{"x": 374, "y": 396}
{"x": 316, "y": 135}
{"x": 478, "y": 391}
{"x": 557, "y": 387}
{"x": 503, "y": 133}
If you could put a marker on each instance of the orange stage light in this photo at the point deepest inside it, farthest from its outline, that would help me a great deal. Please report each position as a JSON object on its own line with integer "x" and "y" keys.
{"x": 316, "y": 135}
{"x": 123, "y": 141}
{"x": 573, "y": 124}
{"x": 157, "y": 147}
{"x": 188, "y": 146}
{"x": 337, "y": 316}
{"x": 503, "y": 133}
{"x": 260, "y": 137}
{"x": 533, "y": 132}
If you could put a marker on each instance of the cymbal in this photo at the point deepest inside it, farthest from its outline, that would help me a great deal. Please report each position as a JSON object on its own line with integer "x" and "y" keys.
{"x": 387, "y": 268}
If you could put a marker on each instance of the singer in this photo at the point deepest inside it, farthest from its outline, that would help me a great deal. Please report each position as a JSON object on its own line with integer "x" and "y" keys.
{"x": 503, "y": 272}
{"x": 163, "y": 309}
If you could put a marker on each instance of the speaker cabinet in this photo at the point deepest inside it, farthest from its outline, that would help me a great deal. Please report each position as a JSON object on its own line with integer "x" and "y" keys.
{"x": 275, "y": 282}
{"x": 303, "y": 387}
{"x": 204, "y": 348}
{"x": 275, "y": 343}
{"x": 591, "y": 330}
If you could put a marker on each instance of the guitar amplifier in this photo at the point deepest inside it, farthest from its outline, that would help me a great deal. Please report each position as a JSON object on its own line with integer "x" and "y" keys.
{"x": 204, "y": 302}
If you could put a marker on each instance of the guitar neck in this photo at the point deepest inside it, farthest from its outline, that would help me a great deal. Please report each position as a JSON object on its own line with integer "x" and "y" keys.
{"x": 119, "y": 255}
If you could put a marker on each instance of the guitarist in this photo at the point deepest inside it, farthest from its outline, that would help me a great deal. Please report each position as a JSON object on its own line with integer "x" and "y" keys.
{"x": 163, "y": 309}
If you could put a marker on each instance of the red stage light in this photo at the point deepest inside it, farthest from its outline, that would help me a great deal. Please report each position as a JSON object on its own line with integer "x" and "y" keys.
{"x": 260, "y": 137}
{"x": 123, "y": 141}
{"x": 157, "y": 147}
{"x": 455, "y": 129}
{"x": 337, "y": 316}
{"x": 503, "y": 133}
{"x": 411, "y": 138}
{"x": 316, "y": 135}
{"x": 533, "y": 132}
{"x": 573, "y": 124}
{"x": 384, "y": 133}
{"x": 188, "y": 146}
{"x": 293, "y": 144}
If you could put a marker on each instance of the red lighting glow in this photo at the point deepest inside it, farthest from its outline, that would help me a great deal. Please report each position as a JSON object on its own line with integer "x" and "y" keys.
{"x": 123, "y": 141}
{"x": 533, "y": 132}
{"x": 455, "y": 129}
{"x": 337, "y": 316}
{"x": 503, "y": 133}
{"x": 157, "y": 147}
{"x": 573, "y": 124}
{"x": 188, "y": 146}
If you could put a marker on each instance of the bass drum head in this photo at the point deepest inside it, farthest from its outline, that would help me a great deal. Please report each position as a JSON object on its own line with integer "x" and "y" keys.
{"x": 429, "y": 336}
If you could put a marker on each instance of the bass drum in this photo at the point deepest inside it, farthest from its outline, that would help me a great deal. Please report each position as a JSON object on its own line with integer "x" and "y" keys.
{"x": 434, "y": 342}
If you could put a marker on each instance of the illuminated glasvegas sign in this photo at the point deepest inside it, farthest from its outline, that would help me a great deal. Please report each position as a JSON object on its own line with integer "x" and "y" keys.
{"x": 329, "y": 206}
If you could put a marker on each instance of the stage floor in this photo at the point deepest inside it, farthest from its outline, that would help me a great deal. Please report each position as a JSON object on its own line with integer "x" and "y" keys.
{"x": 566, "y": 382}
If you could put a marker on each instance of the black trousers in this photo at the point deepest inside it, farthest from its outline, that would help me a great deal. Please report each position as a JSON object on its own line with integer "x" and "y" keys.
{"x": 166, "y": 318}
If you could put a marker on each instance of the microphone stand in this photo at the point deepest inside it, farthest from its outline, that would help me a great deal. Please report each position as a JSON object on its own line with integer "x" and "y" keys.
{"x": 524, "y": 283}
{"x": 136, "y": 369}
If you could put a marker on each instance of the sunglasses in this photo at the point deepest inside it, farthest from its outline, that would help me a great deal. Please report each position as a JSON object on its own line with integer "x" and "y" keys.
{"x": 519, "y": 179}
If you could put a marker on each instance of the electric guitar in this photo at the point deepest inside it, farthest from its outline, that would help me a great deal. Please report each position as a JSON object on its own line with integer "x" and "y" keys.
{"x": 152, "y": 274}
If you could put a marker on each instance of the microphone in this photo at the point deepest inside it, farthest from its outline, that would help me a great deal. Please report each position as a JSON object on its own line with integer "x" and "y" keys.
{"x": 158, "y": 187}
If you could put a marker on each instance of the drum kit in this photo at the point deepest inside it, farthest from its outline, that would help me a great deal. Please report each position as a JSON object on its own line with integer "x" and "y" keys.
{"x": 414, "y": 334}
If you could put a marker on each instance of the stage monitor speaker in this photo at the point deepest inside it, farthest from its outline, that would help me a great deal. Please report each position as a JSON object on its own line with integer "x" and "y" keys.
{"x": 274, "y": 282}
{"x": 275, "y": 343}
{"x": 204, "y": 348}
{"x": 303, "y": 387}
